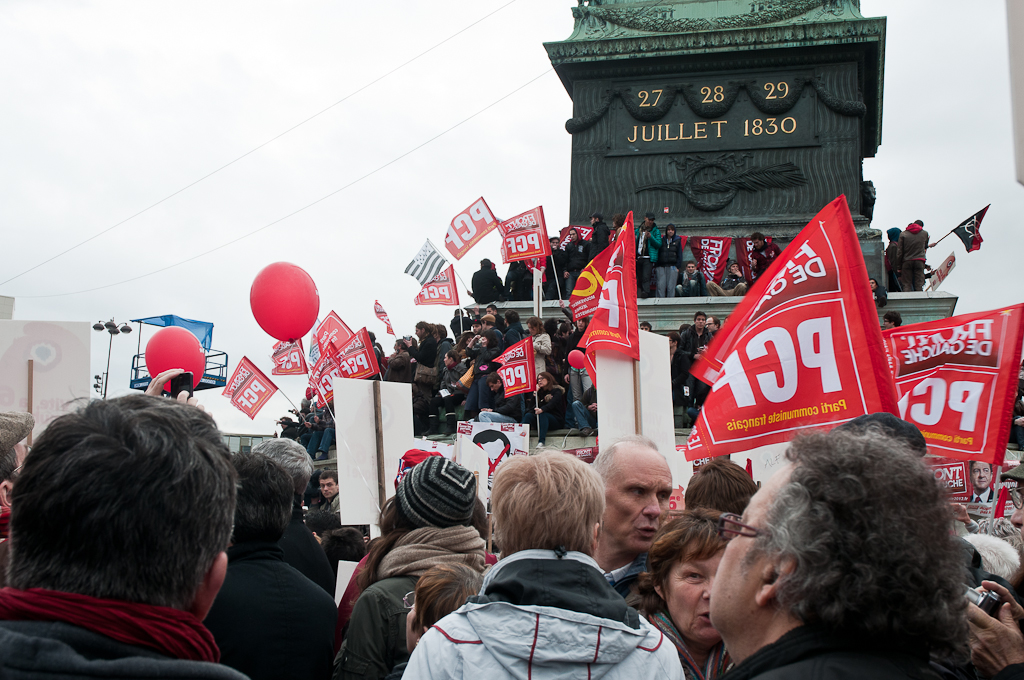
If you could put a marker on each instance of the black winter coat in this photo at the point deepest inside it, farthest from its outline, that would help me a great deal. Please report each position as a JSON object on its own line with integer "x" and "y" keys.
{"x": 556, "y": 264}
{"x": 302, "y": 551}
{"x": 487, "y": 286}
{"x": 269, "y": 620}
{"x": 514, "y": 333}
{"x": 812, "y": 653}
{"x": 577, "y": 256}
{"x": 599, "y": 239}
{"x": 426, "y": 353}
{"x": 52, "y": 650}
{"x": 690, "y": 342}
{"x": 507, "y": 407}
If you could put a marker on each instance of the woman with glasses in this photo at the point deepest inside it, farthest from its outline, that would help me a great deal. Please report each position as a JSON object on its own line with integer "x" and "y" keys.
{"x": 675, "y": 592}
{"x": 439, "y": 592}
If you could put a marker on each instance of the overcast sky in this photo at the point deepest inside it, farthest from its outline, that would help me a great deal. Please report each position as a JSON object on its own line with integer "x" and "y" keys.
{"x": 111, "y": 107}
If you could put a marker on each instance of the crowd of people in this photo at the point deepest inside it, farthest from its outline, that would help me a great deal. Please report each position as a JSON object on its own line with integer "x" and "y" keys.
{"x": 663, "y": 268}
{"x": 138, "y": 546}
{"x": 454, "y": 376}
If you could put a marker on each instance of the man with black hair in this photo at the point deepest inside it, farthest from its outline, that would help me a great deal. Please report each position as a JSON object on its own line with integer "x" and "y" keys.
{"x": 329, "y": 489}
{"x": 300, "y": 548}
{"x": 269, "y": 620}
{"x": 113, "y": 566}
{"x": 345, "y": 544}
{"x": 487, "y": 286}
{"x": 891, "y": 319}
{"x": 502, "y": 410}
{"x": 599, "y": 239}
{"x": 762, "y": 256}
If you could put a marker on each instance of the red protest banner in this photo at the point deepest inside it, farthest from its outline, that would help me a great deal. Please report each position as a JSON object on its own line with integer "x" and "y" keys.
{"x": 744, "y": 249}
{"x": 322, "y": 377}
{"x": 440, "y": 290}
{"x": 585, "y": 296}
{"x": 801, "y": 350}
{"x": 524, "y": 237}
{"x": 378, "y": 309}
{"x": 249, "y": 390}
{"x": 332, "y": 334}
{"x": 712, "y": 254}
{"x": 518, "y": 372}
{"x": 468, "y": 227}
{"x": 615, "y": 324}
{"x": 955, "y": 380}
{"x": 357, "y": 359}
{"x": 563, "y": 235}
{"x": 289, "y": 359}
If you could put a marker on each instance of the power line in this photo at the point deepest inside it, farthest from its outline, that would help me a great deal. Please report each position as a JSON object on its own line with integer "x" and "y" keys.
{"x": 305, "y": 207}
{"x": 257, "y": 148}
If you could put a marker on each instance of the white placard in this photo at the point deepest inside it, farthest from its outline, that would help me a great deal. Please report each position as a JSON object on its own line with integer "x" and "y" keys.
{"x": 345, "y": 571}
{"x": 657, "y": 421}
{"x": 60, "y": 355}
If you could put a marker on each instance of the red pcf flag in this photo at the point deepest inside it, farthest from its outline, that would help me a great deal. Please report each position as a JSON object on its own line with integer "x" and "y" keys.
{"x": 801, "y": 350}
{"x": 357, "y": 359}
{"x": 289, "y": 359}
{"x": 249, "y": 390}
{"x": 518, "y": 372}
{"x": 322, "y": 377}
{"x": 468, "y": 227}
{"x": 615, "y": 324}
{"x": 955, "y": 380}
{"x": 712, "y": 254}
{"x": 440, "y": 290}
{"x": 332, "y": 334}
{"x": 524, "y": 237}
{"x": 378, "y": 309}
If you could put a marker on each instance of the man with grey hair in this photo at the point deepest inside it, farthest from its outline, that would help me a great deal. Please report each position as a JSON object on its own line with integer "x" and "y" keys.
{"x": 638, "y": 483}
{"x": 301, "y": 549}
{"x": 842, "y": 565}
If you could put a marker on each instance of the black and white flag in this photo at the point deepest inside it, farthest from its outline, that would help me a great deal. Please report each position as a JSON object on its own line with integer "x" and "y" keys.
{"x": 427, "y": 264}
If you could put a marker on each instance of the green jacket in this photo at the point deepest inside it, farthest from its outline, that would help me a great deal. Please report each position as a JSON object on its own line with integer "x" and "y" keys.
{"x": 376, "y": 632}
{"x": 653, "y": 242}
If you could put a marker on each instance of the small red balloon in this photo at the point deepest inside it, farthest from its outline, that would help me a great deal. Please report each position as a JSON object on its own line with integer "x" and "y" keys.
{"x": 175, "y": 347}
{"x": 576, "y": 359}
{"x": 284, "y": 301}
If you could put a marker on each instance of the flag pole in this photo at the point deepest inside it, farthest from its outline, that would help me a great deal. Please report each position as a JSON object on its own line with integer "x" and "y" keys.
{"x": 932, "y": 245}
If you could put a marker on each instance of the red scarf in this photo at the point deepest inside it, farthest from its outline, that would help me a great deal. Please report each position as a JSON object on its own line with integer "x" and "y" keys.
{"x": 171, "y": 632}
{"x": 5, "y": 522}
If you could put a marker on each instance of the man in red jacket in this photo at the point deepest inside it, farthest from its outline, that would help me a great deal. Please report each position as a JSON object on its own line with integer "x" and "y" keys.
{"x": 763, "y": 255}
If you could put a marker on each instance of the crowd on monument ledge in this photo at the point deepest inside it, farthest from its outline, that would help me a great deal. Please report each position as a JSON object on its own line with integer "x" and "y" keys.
{"x": 136, "y": 545}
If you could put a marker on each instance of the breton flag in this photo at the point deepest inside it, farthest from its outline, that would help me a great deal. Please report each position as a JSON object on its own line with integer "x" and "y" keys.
{"x": 427, "y": 264}
{"x": 969, "y": 230}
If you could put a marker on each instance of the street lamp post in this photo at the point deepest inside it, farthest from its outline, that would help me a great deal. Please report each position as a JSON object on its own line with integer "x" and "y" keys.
{"x": 111, "y": 328}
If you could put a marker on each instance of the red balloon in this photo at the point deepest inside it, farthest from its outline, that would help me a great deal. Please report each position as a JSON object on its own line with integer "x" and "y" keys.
{"x": 284, "y": 301}
{"x": 175, "y": 347}
{"x": 576, "y": 359}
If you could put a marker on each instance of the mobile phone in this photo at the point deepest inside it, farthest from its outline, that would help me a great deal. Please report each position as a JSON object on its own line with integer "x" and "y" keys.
{"x": 181, "y": 383}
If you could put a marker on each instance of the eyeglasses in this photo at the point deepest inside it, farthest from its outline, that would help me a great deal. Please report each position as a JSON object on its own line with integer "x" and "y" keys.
{"x": 410, "y": 599}
{"x": 1017, "y": 496}
{"x": 730, "y": 526}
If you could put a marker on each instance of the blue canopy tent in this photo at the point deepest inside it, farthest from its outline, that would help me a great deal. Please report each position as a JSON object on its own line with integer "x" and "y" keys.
{"x": 216, "y": 372}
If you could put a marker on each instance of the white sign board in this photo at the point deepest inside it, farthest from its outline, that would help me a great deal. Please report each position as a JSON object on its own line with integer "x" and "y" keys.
{"x": 59, "y": 351}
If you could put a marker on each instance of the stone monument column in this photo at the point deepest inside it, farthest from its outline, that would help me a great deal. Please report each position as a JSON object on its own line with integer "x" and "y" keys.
{"x": 724, "y": 117}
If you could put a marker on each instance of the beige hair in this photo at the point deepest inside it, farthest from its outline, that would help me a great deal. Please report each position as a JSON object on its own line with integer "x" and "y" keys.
{"x": 547, "y": 501}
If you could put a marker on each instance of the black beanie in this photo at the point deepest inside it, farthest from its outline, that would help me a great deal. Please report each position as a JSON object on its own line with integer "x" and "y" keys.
{"x": 437, "y": 493}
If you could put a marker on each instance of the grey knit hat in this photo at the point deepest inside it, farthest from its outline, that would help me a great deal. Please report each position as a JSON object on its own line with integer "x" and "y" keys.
{"x": 437, "y": 493}
{"x": 14, "y": 426}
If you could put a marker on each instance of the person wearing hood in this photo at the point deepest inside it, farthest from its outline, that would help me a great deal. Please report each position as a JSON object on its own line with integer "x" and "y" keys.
{"x": 670, "y": 261}
{"x": 545, "y": 610}
{"x": 911, "y": 254}
{"x": 892, "y": 272}
{"x": 648, "y": 243}
{"x": 599, "y": 239}
{"x": 428, "y": 522}
{"x": 576, "y": 258}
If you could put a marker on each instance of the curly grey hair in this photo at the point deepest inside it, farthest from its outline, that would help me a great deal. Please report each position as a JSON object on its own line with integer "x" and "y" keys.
{"x": 867, "y": 527}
